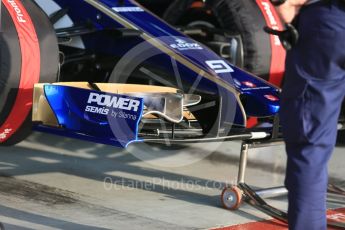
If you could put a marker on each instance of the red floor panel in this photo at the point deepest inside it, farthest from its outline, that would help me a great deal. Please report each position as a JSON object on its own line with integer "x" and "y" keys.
{"x": 338, "y": 215}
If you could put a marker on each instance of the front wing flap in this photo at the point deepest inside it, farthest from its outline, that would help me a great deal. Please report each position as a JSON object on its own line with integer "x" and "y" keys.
{"x": 109, "y": 115}
{"x": 87, "y": 114}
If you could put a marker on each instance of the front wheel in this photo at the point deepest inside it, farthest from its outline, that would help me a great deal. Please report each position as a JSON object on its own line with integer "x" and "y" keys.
{"x": 28, "y": 55}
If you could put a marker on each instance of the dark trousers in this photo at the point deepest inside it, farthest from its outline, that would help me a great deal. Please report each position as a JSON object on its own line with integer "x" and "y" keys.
{"x": 312, "y": 95}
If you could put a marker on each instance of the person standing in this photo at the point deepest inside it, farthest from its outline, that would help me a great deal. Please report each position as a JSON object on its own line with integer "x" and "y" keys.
{"x": 312, "y": 95}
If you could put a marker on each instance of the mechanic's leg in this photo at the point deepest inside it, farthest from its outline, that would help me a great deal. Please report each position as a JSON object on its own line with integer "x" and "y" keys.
{"x": 311, "y": 101}
{"x": 309, "y": 146}
{"x": 310, "y": 131}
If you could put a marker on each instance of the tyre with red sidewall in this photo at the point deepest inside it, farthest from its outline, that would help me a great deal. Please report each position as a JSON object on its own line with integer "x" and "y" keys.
{"x": 41, "y": 42}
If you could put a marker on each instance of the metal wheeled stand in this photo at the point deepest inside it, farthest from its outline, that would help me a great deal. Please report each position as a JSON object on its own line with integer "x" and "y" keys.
{"x": 233, "y": 195}
{"x": 245, "y": 147}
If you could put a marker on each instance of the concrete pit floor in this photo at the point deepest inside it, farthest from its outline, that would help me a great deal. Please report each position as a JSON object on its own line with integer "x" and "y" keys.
{"x": 49, "y": 182}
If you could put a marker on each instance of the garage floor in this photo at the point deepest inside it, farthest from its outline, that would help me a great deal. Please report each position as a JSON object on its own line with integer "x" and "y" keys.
{"x": 50, "y": 182}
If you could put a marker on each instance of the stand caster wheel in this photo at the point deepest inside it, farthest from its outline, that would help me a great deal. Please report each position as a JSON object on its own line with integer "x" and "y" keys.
{"x": 231, "y": 198}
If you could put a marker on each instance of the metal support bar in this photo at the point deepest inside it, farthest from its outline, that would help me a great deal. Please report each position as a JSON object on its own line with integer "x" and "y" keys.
{"x": 276, "y": 127}
{"x": 335, "y": 190}
{"x": 246, "y": 145}
{"x": 173, "y": 130}
{"x": 256, "y": 201}
{"x": 264, "y": 144}
{"x": 243, "y": 163}
{"x": 272, "y": 192}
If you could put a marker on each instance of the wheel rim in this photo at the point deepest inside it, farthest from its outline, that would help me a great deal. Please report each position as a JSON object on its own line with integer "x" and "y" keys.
{"x": 231, "y": 198}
